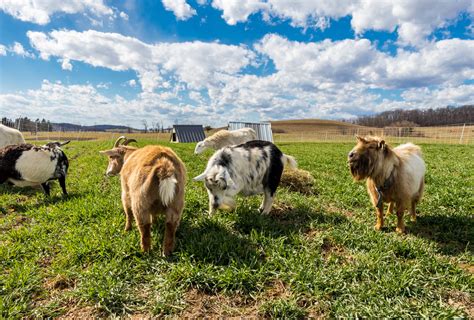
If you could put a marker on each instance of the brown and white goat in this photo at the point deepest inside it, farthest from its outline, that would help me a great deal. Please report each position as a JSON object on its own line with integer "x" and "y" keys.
{"x": 395, "y": 176}
{"x": 153, "y": 180}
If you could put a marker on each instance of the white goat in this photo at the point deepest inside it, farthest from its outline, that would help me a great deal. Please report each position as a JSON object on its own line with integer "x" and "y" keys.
{"x": 225, "y": 138}
{"x": 10, "y": 136}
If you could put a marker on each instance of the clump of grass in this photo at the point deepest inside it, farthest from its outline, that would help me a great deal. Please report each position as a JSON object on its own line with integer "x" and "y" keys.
{"x": 298, "y": 180}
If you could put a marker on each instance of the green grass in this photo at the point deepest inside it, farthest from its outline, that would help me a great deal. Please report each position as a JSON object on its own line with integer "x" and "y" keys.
{"x": 318, "y": 257}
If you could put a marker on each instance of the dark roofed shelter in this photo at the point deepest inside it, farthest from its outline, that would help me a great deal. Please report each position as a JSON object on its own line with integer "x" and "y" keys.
{"x": 187, "y": 133}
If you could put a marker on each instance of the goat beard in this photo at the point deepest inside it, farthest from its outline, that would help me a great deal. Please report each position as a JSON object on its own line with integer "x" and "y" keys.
{"x": 360, "y": 168}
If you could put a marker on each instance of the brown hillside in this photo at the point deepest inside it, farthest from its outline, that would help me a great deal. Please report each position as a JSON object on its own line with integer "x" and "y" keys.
{"x": 310, "y": 125}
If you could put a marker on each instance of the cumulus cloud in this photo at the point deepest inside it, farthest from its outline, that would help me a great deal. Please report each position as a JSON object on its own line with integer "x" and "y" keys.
{"x": 65, "y": 64}
{"x": 358, "y": 60}
{"x": 3, "y": 50}
{"x": 205, "y": 82}
{"x": 181, "y": 9}
{"x": 17, "y": 48}
{"x": 132, "y": 83}
{"x": 83, "y": 103}
{"x": 194, "y": 63}
{"x": 40, "y": 12}
{"x": 413, "y": 20}
{"x": 123, "y": 15}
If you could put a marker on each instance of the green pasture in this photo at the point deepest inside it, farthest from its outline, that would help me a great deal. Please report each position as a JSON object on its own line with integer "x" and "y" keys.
{"x": 314, "y": 255}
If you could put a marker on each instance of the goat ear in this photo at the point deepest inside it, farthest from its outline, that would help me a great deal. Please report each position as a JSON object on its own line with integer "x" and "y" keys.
{"x": 381, "y": 144}
{"x": 361, "y": 139}
{"x": 228, "y": 180}
{"x": 64, "y": 143}
{"x": 200, "y": 177}
{"x": 109, "y": 153}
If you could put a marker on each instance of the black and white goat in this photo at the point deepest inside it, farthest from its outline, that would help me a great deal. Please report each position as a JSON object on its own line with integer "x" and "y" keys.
{"x": 254, "y": 167}
{"x": 26, "y": 165}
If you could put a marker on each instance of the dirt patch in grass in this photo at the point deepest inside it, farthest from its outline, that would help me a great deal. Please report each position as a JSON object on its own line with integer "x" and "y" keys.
{"x": 16, "y": 223}
{"x": 82, "y": 312}
{"x": 461, "y": 300}
{"x": 333, "y": 209}
{"x": 201, "y": 304}
{"x": 467, "y": 267}
{"x": 60, "y": 282}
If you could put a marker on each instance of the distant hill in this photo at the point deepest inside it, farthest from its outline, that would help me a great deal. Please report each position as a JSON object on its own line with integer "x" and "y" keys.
{"x": 310, "y": 125}
{"x": 100, "y": 127}
{"x": 420, "y": 117}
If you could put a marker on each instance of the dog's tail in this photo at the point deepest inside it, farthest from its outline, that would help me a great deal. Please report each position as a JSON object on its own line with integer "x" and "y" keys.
{"x": 289, "y": 161}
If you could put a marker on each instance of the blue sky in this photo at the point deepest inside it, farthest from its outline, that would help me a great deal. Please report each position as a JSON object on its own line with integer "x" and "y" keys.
{"x": 213, "y": 61}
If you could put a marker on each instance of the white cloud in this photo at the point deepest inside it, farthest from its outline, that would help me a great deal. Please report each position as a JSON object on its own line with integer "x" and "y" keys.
{"x": 3, "y": 50}
{"x": 413, "y": 20}
{"x": 329, "y": 79}
{"x": 181, "y": 9}
{"x": 84, "y": 104}
{"x": 123, "y": 15}
{"x": 132, "y": 83}
{"x": 234, "y": 11}
{"x": 103, "y": 85}
{"x": 194, "y": 63}
{"x": 40, "y": 11}
{"x": 445, "y": 61}
{"x": 17, "y": 48}
{"x": 65, "y": 64}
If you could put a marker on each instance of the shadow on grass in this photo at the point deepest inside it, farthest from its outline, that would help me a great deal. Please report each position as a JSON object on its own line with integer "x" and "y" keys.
{"x": 24, "y": 195}
{"x": 210, "y": 242}
{"x": 292, "y": 220}
{"x": 453, "y": 234}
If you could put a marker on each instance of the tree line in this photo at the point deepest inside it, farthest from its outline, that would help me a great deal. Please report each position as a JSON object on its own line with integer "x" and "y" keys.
{"x": 26, "y": 124}
{"x": 419, "y": 117}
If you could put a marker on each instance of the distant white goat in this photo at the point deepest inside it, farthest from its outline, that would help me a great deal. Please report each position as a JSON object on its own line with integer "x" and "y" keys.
{"x": 225, "y": 138}
{"x": 10, "y": 136}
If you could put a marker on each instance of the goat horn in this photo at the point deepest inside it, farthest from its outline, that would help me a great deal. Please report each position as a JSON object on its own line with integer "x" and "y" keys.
{"x": 127, "y": 141}
{"x": 117, "y": 142}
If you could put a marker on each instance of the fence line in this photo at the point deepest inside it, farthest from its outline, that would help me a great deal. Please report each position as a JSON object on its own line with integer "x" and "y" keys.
{"x": 462, "y": 134}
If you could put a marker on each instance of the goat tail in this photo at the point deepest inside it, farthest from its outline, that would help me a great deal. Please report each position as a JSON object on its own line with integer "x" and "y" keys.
{"x": 289, "y": 161}
{"x": 166, "y": 174}
{"x": 167, "y": 190}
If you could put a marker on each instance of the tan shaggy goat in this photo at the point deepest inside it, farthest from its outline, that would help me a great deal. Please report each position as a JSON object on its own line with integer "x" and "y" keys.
{"x": 153, "y": 179}
{"x": 394, "y": 175}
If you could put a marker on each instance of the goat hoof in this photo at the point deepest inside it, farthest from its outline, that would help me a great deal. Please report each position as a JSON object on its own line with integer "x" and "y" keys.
{"x": 400, "y": 230}
{"x": 378, "y": 227}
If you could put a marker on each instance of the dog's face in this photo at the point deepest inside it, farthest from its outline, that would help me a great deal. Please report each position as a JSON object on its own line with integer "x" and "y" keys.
{"x": 219, "y": 183}
{"x": 115, "y": 156}
{"x": 363, "y": 157}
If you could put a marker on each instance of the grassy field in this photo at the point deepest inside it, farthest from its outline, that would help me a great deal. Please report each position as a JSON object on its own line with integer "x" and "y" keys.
{"x": 312, "y": 256}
